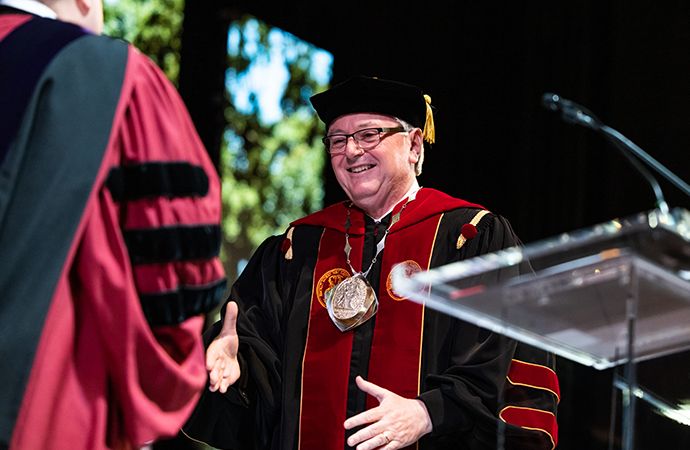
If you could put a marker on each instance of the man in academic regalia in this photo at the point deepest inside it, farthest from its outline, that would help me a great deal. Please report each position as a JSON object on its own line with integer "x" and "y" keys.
{"x": 109, "y": 237}
{"x": 316, "y": 350}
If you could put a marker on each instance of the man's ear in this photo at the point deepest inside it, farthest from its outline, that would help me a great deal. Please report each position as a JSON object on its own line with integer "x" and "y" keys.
{"x": 84, "y": 6}
{"x": 417, "y": 145}
{"x": 91, "y": 12}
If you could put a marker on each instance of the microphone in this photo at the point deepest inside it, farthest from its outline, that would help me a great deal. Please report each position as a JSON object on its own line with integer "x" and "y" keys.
{"x": 573, "y": 113}
{"x": 570, "y": 111}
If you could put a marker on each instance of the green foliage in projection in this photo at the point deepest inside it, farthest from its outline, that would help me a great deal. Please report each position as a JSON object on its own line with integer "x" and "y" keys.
{"x": 152, "y": 26}
{"x": 271, "y": 162}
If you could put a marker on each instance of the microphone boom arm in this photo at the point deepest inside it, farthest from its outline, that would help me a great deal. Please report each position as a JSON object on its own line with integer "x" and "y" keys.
{"x": 651, "y": 162}
{"x": 573, "y": 113}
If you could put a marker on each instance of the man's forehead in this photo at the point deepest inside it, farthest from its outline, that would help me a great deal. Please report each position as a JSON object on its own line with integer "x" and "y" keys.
{"x": 361, "y": 120}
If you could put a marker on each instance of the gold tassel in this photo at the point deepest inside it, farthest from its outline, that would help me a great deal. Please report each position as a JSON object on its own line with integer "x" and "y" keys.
{"x": 429, "y": 133}
{"x": 288, "y": 254}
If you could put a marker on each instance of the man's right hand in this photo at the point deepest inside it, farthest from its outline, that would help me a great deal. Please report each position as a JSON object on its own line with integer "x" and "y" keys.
{"x": 221, "y": 356}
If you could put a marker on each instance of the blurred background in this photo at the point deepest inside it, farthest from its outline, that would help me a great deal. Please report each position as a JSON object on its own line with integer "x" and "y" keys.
{"x": 246, "y": 70}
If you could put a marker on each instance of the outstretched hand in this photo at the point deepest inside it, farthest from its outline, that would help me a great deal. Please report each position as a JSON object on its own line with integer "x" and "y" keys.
{"x": 396, "y": 423}
{"x": 221, "y": 356}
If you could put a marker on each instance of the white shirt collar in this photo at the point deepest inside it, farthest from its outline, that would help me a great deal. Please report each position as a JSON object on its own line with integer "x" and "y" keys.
{"x": 31, "y": 6}
{"x": 415, "y": 187}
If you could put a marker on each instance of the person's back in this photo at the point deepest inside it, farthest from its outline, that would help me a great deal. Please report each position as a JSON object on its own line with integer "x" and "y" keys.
{"x": 109, "y": 236}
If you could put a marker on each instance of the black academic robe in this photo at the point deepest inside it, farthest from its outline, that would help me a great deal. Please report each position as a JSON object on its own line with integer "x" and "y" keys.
{"x": 462, "y": 375}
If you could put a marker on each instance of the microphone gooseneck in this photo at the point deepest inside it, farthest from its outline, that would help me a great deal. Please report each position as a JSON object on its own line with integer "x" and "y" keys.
{"x": 573, "y": 113}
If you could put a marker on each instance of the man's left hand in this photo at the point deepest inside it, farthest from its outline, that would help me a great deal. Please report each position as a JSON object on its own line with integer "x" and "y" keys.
{"x": 396, "y": 423}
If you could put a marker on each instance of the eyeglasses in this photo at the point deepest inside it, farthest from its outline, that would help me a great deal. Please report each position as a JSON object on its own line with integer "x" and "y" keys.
{"x": 366, "y": 138}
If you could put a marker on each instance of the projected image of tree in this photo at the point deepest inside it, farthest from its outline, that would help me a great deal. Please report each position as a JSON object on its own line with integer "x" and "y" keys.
{"x": 152, "y": 26}
{"x": 272, "y": 157}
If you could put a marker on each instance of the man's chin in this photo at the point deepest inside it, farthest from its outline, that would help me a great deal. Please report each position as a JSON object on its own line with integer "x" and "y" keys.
{"x": 362, "y": 194}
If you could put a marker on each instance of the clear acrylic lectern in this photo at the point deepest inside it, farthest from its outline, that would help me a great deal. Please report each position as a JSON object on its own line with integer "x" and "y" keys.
{"x": 616, "y": 293}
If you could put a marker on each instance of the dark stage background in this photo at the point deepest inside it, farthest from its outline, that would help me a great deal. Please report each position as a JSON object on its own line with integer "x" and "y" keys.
{"x": 485, "y": 66}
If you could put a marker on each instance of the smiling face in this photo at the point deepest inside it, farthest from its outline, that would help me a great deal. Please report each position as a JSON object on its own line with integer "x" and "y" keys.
{"x": 375, "y": 179}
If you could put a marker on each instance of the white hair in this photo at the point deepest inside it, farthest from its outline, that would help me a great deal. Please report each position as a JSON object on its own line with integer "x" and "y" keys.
{"x": 409, "y": 127}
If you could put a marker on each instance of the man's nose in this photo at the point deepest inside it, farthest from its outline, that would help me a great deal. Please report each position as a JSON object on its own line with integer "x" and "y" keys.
{"x": 352, "y": 148}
